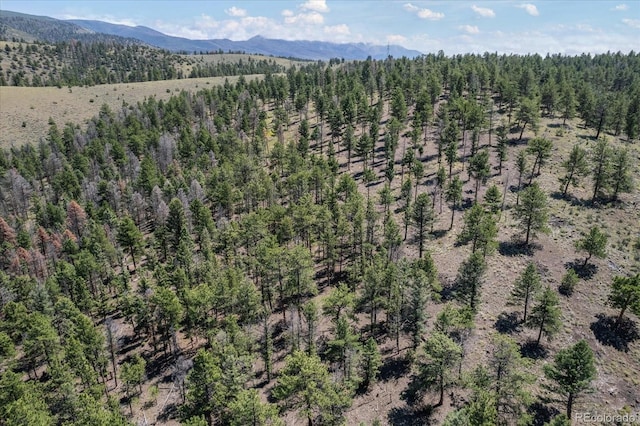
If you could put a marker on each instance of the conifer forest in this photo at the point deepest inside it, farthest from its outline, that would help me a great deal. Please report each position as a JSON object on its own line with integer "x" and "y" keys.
{"x": 444, "y": 240}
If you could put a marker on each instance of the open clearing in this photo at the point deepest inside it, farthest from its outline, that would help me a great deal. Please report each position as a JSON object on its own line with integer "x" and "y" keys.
{"x": 25, "y": 111}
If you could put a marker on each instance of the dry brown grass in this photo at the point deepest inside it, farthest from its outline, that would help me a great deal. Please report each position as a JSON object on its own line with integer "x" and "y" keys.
{"x": 25, "y": 111}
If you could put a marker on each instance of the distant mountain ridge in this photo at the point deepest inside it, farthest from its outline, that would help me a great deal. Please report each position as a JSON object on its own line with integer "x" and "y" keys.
{"x": 303, "y": 49}
{"x": 43, "y": 28}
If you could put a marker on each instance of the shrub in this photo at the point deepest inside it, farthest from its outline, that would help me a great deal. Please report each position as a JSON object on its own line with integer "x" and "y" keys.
{"x": 568, "y": 283}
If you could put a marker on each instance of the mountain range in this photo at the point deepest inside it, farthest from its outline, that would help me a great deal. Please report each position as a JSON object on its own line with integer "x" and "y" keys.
{"x": 30, "y": 28}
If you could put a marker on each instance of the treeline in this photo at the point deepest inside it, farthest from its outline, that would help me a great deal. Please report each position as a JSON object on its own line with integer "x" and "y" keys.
{"x": 187, "y": 241}
{"x": 250, "y": 66}
{"x": 77, "y": 64}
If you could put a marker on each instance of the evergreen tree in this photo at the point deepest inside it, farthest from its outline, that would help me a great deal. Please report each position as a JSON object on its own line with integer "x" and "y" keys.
{"x": 493, "y": 199}
{"x": 479, "y": 229}
{"x": 526, "y": 287}
{"x": 508, "y": 379}
{"x": 454, "y": 196}
{"x": 541, "y": 148}
{"x": 441, "y": 354}
{"x": 625, "y": 294}
{"x": 521, "y": 167}
{"x": 601, "y": 167}
{"x": 532, "y": 213}
{"x": 371, "y": 362}
{"x": 479, "y": 168}
{"x": 594, "y": 243}
{"x": 130, "y": 237}
{"x": 546, "y": 315}
{"x": 470, "y": 278}
{"x": 502, "y": 147}
{"x": 248, "y": 410}
{"x": 305, "y": 383}
{"x": 205, "y": 389}
{"x": 528, "y": 113}
{"x": 568, "y": 283}
{"x": 620, "y": 177}
{"x": 576, "y": 166}
{"x": 572, "y": 371}
{"x": 423, "y": 218}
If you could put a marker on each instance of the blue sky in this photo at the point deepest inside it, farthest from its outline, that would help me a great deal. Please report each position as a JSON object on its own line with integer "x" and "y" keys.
{"x": 454, "y": 26}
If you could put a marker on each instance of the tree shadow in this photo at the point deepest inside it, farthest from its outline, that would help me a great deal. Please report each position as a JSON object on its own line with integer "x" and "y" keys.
{"x": 541, "y": 413}
{"x": 585, "y": 272}
{"x": 532, "y": 350}
{"x": 515, "y": 247}
{"x": 439, "y": 233}
{"x": 169, "y": 412}
{"x": 408, "y": 416}
{"x": 394, "y": 368}
{"x": 507, "y": 323}
{"x": 449, "y": 289}
{"x": 604, "y": 330}
{"x": 158, "y": 364}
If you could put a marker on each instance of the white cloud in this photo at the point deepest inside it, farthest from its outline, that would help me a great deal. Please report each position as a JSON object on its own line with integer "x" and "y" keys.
{"x": 531, "y": 9}
{"x": 313, "y": 18}
{"x": 621, "y": 7}
{"x": 236, "y": 12}
{"x": 315, "y": 5}
{"x": 485, "y": 12}
{"x": 424, "y": 13}
{"x": 633, "y": 23}
{"x": 396, "y": 39}
{"x": 337, "y": 30}
{"x": 470, "y": 29}
{"x": 105, "y": 18}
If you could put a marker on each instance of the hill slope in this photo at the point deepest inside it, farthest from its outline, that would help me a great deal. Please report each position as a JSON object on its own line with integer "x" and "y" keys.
{"x": 42, "y": 28}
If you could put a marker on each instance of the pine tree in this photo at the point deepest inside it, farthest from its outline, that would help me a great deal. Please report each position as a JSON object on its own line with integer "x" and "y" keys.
{"x": 601, "y": 167}
{"x": 508, "y": 378}
{"x": 575, "y": 166}
{"x": 568, "y": 283}
{"x": 130, "y": 237}
{"x": 625, "y": 294}
{"x": 521, "y": 167}
{"x": 541, "y": 148}
{"x": 532, "y": 213}
{"x": 594, "y": 243}
{"x": 493, "y": 199}
{"x": 436, "y": 371}
{"x": 620, "y": 177}
{"x": 305, "y": 383}
{"x": 371, "y": 362}
{"x": 423, "y": 219}
{"x": 526, "y": 287}
{"x": 205, "y": 389}
{"x": 572, "y": 371}
{"x": 502, "y": 147}
{"x": 470, "y": 278}
{"x": 248, "y": 410}
{"x": 546, "y": 315}
{"x": 479, "y": 229}
{"x": 479, "y": 168}
{"x": 454, "y": 196}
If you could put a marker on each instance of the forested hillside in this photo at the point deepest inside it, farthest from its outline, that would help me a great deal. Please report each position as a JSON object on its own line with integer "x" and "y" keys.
{"x": 88, "y": 64}
{"x": 445, "y": 240}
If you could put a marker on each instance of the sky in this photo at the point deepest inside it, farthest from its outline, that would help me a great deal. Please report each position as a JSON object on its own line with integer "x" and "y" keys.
{"x": 568, "y": 27}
